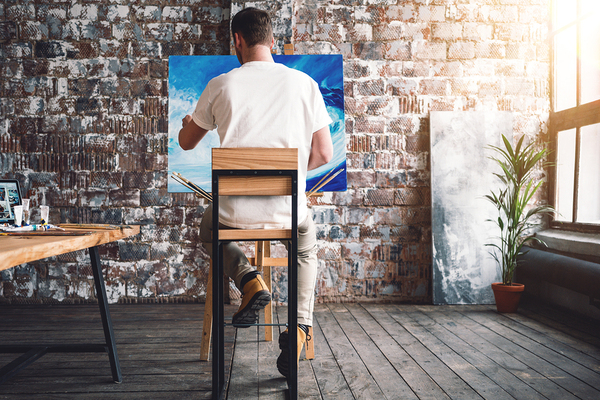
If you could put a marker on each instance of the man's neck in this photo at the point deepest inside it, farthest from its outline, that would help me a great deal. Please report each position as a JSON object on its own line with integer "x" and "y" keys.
{"x": 257, "y": 53}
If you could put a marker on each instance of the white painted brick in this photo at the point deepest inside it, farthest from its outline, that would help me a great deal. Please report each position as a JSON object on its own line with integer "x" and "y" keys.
{"x": 77, "y": 69}
{"x": 364, "y": 31}
{"x": 147, "y": 13}
{"x": 447, "y": 31}
{"x": 3, "y": 125}
{"x": 178, "y": 14}
{"x": 432, "y": 13}
{"x": 417, "y": 31}
{"x": 81, "y": 11}
{"x": 362, "y": 14}
{"x": 429, "y": 50}
{"x": 381, "y": 2}
{"x": 477, "y": 31}
{"x": 187, "y": 32}
{"x": 117, "y": 13}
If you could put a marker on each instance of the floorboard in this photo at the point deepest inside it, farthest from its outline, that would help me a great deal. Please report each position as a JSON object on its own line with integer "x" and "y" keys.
{"x": 362, "y": 351}
{"x": 379, "y": 367}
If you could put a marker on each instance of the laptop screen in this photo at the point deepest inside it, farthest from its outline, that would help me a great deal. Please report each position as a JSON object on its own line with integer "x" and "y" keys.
{"x": 10, "y": 196}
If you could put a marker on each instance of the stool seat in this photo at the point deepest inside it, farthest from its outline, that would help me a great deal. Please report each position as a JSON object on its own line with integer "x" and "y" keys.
{"x": 255, "y": 234}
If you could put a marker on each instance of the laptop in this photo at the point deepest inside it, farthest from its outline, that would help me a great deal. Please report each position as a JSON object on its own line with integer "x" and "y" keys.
{"x": 10, "y": 196}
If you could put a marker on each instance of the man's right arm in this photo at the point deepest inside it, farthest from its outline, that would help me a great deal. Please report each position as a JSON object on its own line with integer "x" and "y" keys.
{"x": 191, "y": 134}
{"x": 321, "y": 151}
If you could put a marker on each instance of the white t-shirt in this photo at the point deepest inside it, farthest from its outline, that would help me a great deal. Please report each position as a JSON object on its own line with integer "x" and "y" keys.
{"x": 263, "y": 104}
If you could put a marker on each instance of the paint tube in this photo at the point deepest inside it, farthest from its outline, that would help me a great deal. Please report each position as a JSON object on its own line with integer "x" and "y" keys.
{"x": 28, "y": 228}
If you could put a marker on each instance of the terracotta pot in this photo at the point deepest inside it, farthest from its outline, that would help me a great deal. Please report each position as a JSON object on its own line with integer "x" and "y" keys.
{"x": 507, "y": 297}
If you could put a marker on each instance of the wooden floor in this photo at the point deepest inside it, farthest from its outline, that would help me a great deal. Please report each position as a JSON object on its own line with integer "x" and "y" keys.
{"x": 363, "y": 351}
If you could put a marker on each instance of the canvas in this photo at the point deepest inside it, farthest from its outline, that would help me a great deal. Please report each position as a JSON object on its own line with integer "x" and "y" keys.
{"x": 10, "y": 196}
{"x": 461, "y": 175}
{"x": 189, "y": 75}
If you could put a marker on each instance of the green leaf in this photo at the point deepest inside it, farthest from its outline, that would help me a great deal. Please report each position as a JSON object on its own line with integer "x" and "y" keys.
{"x": 518, "y": 186}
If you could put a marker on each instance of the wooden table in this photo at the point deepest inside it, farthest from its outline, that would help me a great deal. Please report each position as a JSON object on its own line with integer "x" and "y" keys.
{"x": 16, "y": 250}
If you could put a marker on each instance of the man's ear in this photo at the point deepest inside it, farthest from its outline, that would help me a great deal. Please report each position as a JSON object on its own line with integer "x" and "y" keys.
{"x": 237, "y": 39}
{"x": 272, "y": 42}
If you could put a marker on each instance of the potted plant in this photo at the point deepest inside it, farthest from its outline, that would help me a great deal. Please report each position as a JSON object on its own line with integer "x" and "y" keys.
{"x": 515, "y": 214}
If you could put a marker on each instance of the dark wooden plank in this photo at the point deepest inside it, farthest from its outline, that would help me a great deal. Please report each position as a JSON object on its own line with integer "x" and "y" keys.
{"x": 92, "y": 326}
{"x": 458, "y": 338}
{"x": 50, "y": 368}
{"x": 330, "y": 379}
{"x": 495, "y": 347}
{"x": 585, "y": 330}
{"x": 472, "y": 382}
{"x": 535, "y": 324}
{"x": 589, "y": 359}
{"x": 158, "y": 347}
{"x": 308, "y": 388}
{"x": 243, "y": 380}
{"x": 357, "y": 375}
{"x": 552, "y": 356}
{"x": 373, "y": 320}
{"x": 271, "y": 384}
{"x": 451, "y": 383}
{"x": 381, "y": 369}
{"x": 526, "y": 351}
{"x": 105, "y": 384}
{"x": 175, "y": 395}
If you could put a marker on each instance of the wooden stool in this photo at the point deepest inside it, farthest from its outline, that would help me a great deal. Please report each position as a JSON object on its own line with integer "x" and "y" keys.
{"x": 263, "y": 263}
{"x": 254, "y": 172}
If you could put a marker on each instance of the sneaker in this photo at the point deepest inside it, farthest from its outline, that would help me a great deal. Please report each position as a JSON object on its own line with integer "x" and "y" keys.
{"x": 283, "y": 361}
{"x": 255, "y": 297}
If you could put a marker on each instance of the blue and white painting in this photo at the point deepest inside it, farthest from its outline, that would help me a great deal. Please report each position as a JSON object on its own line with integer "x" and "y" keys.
{"x": 189, "y": 75}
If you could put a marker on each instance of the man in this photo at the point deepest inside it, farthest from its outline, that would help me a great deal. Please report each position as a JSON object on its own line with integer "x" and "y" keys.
{"x": 264, "y": 104}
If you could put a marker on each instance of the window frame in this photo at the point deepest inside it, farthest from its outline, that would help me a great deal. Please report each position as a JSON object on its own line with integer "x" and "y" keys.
{"x": 572, "y": 118}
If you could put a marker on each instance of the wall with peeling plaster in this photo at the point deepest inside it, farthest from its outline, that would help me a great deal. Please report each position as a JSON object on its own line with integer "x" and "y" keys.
{"x": 83, "y": 127}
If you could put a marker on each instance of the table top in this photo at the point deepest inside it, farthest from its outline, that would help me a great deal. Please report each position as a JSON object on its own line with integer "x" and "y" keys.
{"x": 17, "y": 250}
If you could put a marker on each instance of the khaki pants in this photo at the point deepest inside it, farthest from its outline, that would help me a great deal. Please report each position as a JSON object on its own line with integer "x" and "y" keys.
{"x": 236, "y": 265}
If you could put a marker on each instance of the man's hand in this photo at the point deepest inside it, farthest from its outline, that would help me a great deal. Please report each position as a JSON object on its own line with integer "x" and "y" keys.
{"x": 191, "y": 134}
{"x": 186, "y": 120}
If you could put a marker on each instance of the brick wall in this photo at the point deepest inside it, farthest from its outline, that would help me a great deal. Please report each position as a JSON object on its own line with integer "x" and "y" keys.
{"x": 83, "y": 91}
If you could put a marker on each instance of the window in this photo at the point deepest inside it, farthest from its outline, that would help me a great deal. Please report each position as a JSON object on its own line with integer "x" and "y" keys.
{"x": 575, "y": 117}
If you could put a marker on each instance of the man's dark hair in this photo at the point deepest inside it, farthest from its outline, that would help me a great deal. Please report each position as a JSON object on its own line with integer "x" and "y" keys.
{"x": 254, "y": 25}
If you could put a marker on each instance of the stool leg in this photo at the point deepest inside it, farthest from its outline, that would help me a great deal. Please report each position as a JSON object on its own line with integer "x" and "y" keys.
{"x": 269, "y": 307}
{"x": 265, "y": 252}
{"x": 208, "y": 318}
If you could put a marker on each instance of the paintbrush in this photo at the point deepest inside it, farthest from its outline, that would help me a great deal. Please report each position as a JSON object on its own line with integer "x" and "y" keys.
{"x": 193, "y": 187}
{"x": 320, "y": 185}
{"x": 196, "y": 192}
{"x": 90, "y": 226}
{"x": 203, "y": 192}
{"x": 310, "y": 192}
{"x": 47, "y": 233}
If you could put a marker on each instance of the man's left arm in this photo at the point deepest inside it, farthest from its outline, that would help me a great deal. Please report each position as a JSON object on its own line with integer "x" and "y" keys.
{"x": 191, "y": 134}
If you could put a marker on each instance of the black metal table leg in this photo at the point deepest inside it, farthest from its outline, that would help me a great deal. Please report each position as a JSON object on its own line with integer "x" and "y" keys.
{"x": 34, "y": 351}
{"x": 105, "y": 315}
